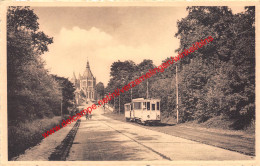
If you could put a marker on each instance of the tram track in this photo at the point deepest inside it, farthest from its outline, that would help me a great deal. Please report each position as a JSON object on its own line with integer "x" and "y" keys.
{"x": 216, "y": 140}
{"x": 236, "y": 144}
{"x": 147, "y": 147}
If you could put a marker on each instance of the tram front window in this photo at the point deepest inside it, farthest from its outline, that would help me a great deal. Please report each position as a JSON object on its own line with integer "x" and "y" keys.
{"x": 153, "y": 107}
{"x": 127, "y": 107}
{"x": 144, "y": 105}
{"x": 148, "y": 105}
{"x": 137, "y": 105}
{"x": 158, "y": 106}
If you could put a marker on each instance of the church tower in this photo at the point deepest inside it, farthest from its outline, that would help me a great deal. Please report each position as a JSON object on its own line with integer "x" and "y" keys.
{"x": 88, "y": 83}
{"x": 85, "y": 86}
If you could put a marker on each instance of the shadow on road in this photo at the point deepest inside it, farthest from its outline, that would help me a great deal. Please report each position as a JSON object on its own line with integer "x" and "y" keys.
{"x": 154, "y": 124}
{"x": 164, "y": 124}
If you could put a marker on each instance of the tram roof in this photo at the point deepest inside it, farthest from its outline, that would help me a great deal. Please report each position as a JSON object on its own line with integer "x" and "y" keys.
{"x": 143, "y": 100}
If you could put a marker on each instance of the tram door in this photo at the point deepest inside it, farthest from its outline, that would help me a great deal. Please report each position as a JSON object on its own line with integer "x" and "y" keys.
{"x": 145, "y": 112}
{"x": 132, "y": 113}
{"x": 158, "y": 111}
{"x": 127, "y": 111}
{"x": 153, "y": 110}
{"x": 148, "y": 110}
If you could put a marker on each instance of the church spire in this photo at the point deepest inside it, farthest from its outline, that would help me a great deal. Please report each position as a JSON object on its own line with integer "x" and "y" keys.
{"x": 87, "y": 64}
{"x": 74, "y": 76}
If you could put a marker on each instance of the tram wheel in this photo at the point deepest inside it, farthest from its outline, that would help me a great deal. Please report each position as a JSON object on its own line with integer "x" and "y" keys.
{"x": 147, "y": 124}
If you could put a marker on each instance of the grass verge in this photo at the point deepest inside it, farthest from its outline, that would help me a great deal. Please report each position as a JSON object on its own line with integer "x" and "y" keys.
{"x": 25, "y": 135}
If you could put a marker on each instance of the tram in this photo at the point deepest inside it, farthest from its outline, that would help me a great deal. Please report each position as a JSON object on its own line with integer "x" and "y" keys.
{"x": 143, "y": 111}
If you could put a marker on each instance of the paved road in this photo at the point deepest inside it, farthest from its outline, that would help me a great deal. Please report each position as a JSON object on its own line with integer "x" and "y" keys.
{"x": 237, "y": 141}
{"x": 103, "y": 138}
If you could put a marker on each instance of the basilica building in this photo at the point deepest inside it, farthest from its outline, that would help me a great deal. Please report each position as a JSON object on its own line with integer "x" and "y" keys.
{"x": 85, "y": 86}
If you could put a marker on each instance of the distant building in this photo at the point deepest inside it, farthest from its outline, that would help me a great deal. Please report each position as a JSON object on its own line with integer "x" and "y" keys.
{"x": 85, "y": 86}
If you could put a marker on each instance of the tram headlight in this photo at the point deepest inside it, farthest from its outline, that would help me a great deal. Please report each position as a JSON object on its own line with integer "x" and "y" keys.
{"x": 158, "y": 116}
{"x": 148, "y": 116}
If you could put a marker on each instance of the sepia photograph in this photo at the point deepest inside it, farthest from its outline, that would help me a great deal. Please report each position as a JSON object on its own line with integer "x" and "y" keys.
{"x": 131, "y": 83}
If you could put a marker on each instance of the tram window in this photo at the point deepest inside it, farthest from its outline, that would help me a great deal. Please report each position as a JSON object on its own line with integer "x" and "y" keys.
{"x": 137, "y": 105}
{"x": 148, "y": 105}
{"x": 144, "y": 105}
{"x": 153, "y": 107}
{"x": 127, "y": 107}
{"x": 132, "y": 106}
{"x": 158, "y": 106}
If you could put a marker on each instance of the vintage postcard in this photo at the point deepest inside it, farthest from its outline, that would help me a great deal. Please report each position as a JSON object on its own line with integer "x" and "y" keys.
{"x": 129, "y": 83}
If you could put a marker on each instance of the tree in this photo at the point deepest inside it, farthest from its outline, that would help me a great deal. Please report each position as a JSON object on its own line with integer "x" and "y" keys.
{"x": 121, "y": 74}
{"x": 216, "y": 80}
{"x": 100, "y": 90}
{"x": 221, "y": 75}
{"x": 32, "y": 92}
{"x": 143, "y": 68}
{"x": 68, "y": 96}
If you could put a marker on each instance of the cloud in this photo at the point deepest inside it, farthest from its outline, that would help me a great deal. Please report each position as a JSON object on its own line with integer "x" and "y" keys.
{"x": 82, "y": 37}
{"x": 72, "y": 48}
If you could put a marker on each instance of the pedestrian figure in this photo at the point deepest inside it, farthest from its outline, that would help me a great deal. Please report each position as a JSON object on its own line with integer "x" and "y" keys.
{"x": 87, "y": 115}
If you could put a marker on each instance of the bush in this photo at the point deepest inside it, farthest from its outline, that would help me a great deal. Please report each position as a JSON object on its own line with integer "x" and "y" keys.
{"x": 27, "y": 134}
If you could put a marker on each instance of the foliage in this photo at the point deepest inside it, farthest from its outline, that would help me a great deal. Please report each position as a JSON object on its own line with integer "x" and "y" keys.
{"x": 67, "y": 90}
{"x": 122, "y": 73}
{"x": 32, "y": 92}
{"x": 224, "y": 82}
{"x": 100, "y": 88}
{"x": 216, "y": 80}
{"x": 27, "y": 134}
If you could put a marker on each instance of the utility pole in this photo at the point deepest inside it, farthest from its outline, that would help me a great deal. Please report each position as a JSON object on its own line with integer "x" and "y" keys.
{"x": 114, "y": 107}
{"x": 147, "y": 91}
{"x": 119, "y": 105}
{"x": 177, "y": 95}
{"x": 131, "y": 94}
{"x": 61, "y": 102}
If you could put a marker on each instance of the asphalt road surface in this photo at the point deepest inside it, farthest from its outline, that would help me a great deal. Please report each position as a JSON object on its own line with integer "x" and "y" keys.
{"x": 104, "y": 139}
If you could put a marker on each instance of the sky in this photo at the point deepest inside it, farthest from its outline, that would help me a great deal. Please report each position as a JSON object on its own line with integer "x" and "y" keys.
{"x": 103, "y": 35}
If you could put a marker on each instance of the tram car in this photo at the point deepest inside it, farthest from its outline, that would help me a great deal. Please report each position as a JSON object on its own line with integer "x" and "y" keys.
{"x": 143, "y": 111}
